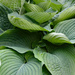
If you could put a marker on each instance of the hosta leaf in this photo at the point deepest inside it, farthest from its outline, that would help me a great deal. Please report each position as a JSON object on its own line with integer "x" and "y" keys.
{"x": 66, "y": 14}
{"x": 61, "y": 61}
{"x": 12, "y": 4}
{"x": 51, "y": 10}
{"x": 4, "y": 22}
{"x": 55, "y": 5}
{"x": 67, "y": 27}
{"x": 19, "y": 40}
{"x": 38, "y": 52}
{"x": 32, "y": 7}
{"x": 24, "y": 24}
{"x": 13, "y": 63}
{"x": 38, "y": 1}
{"x": 45, "y": 5}
{"x": 40, "y": 17}
{"x": 56, "y": 38}
{"x": 67, "y": 3}
{"x": 20, "y": 16}
{"x": 48, "y": 27}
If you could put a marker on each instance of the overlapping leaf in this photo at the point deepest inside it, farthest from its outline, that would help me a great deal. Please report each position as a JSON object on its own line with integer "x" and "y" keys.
{"x": 32, "y": 7}
{"x": 60, "y": 61}
{"x": 4, "y": 22}
{"x": 45, "y": 71}
{"x": 66, "y": 14}
{"x": 67, "y": 3}
{"x": 40, "y": 17}
{"x": 22, "y": 23}
{"x": 45, "y": 5}
{"x": 19, "y": 40}
{"x": 67, "y": 27}
{"x": 56, "y": 38}
{"x": 13, "y": 63}
{"x": 56, "y": 5}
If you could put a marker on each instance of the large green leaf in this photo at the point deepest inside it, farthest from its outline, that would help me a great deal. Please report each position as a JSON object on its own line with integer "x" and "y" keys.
{"x": 4, "y": 22}
{"x": 67, "y": 27}
{"x": 14, "y": 63}
{"x": 19, "y": 40}
{"x": 12, "y": 4}
{"x": 56, "y": 38}
{"x": 65, "y": 14}
{"x": 23, "y": 23}
{"x": 40, "y": 17}
{"x": 32, "y": 7}
{"x": 61, "y": 60}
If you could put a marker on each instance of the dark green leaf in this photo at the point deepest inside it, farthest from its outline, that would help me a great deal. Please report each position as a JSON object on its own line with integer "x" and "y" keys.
{"x": 4, "y": 22}
{"x": 19, "y": 40}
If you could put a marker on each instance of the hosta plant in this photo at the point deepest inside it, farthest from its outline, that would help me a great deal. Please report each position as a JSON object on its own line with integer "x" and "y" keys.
{"x": 37, "y": 37}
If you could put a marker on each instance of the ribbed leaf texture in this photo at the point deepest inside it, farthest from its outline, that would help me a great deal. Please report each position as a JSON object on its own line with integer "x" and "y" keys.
{"x": 19, "y": 40}
{"x": 13, "y": 63}
{"x": 23, "y": 23}
{"x": 67, "y": 27}
{"x": 60, "y": 61}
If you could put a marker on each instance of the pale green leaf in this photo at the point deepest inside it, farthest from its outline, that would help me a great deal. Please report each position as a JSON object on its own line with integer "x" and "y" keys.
{"x": 40, "y": 17}
{"x": 56, "y": 38}
{"x": 12, "y": 4}
{"x": 14, "y": 63}
{"x": 65, "y": 14}
{"x": 32, "y": 7}
{"x": 19, "y": 40}
{"x": 67, "y": 3}
{"x": 38, "y": 53}
{"x": 67, "y": 27}
{"x": 24, "y": 23}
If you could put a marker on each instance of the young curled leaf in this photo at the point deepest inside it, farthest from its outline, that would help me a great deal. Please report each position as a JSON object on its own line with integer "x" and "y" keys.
{"x": 56, "y": 38}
